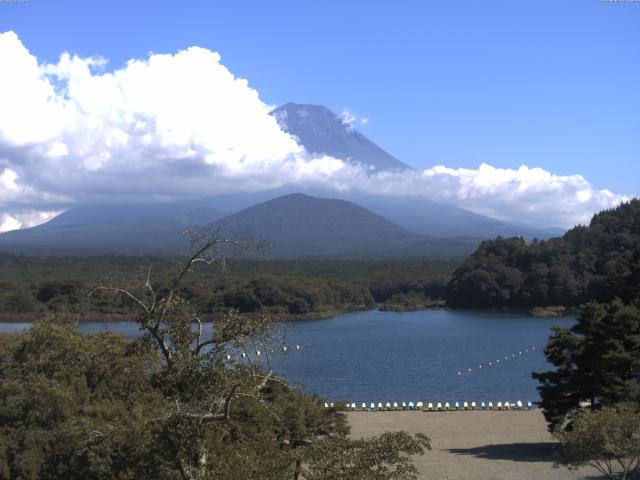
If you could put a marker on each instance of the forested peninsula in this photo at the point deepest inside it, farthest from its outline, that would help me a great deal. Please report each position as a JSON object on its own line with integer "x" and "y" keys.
{"x": 32, "y": 286}
{"x": 597, "y": 262}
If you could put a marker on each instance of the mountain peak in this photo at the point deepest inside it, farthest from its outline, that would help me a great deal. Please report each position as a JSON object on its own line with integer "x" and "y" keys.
{"x": 295, "y": 196}
{"x": 301, "y": 225}
{"x": 321, "y": 132}
{"x": 290, "y": 106}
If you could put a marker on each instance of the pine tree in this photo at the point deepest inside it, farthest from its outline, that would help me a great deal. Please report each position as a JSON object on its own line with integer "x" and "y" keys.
{"x": 597, "y": 360}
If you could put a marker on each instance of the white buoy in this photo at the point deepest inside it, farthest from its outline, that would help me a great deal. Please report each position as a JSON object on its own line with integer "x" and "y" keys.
{"x": 459, "y": 373}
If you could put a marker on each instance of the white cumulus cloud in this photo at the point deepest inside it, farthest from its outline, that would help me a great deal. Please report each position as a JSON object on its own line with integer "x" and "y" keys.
{"x": 525, "y": 195}
{"x": 177, "y": 125}
{"x": 348, "y": 119}
{"x": 24, "y": 219}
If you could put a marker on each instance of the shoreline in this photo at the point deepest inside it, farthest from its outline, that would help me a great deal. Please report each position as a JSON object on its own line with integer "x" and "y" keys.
{"x": 279, "y": 317}
{"x": 476, "y": 445}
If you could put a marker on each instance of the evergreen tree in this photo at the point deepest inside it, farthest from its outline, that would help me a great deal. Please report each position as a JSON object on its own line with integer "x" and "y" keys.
{"x": 597, "y": 361}
{"x": 598, "y": 262}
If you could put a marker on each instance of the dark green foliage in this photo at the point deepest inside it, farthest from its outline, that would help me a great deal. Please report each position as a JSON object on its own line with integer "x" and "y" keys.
{"x": 77, "y": 406}
{"x": 30, "y": 286}
{"x": 72, "y": 406}
{"x": 598, "y": 262}
{"x": 302, "y": 423}
{"x": 171, "y": 404}
{"x": 607, "y": 439}
{"x": 288, "y": 296}
{"x": 409, "y": 302}
{"x": 386, "y": 457}
{"x": 597, "y": 360}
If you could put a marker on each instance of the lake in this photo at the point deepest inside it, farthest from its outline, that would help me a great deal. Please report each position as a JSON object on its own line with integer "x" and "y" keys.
{"x": 378, "y": 356}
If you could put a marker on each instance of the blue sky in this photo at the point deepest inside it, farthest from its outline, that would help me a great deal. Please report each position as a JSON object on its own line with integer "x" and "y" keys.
{"x": 545, "y": 83}
{"x": 522, "y": 111}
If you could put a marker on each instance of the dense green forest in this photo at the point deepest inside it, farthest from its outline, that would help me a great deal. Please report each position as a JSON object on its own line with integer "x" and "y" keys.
{"x": 31, "y": 286}
{"x": 173, "y": 404}
{"x": 596, "y": 262}
{"x": 591, "y": 396}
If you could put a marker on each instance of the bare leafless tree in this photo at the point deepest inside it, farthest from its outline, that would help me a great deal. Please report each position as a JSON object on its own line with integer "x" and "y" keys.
{"x": 206, "y": 365}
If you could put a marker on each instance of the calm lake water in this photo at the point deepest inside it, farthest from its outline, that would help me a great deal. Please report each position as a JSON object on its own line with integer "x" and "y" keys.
{"x": 387, "y": 356}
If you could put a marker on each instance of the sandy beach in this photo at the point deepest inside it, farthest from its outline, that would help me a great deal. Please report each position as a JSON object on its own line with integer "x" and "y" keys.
{"x": 475, "y": 445}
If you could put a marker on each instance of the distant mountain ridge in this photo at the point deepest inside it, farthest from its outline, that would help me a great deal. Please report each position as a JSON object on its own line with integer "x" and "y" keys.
{"x": 301, "y": 225}
{"x": 321, "y": 131}
{"x": 293, "y": 226}
{"x": 118, "y": 228}
{"x": 334, "y": 223}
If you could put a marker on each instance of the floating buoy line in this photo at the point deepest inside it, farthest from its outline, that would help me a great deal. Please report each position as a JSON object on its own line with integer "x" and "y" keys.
{"x": 501, "y": 360}
{"x": 259, "y": 353}
{"x": 256, "y": 353}
{"x": 433, "y": 406}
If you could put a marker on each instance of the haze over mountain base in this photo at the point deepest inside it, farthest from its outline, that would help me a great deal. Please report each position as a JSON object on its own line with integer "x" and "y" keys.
{"x": 293, "y": 226}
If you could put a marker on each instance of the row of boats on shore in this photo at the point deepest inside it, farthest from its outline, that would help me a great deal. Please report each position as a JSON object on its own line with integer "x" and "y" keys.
{"x": 431, "y": 407}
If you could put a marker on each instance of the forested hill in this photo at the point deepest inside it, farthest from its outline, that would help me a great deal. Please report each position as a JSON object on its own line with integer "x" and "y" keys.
{"x": 596, "y": 262}
{"x": 33, "y": 287}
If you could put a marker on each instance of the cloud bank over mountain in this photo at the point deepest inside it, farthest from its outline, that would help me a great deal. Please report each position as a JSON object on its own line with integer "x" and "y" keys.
{"x": 182, "y": 125}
